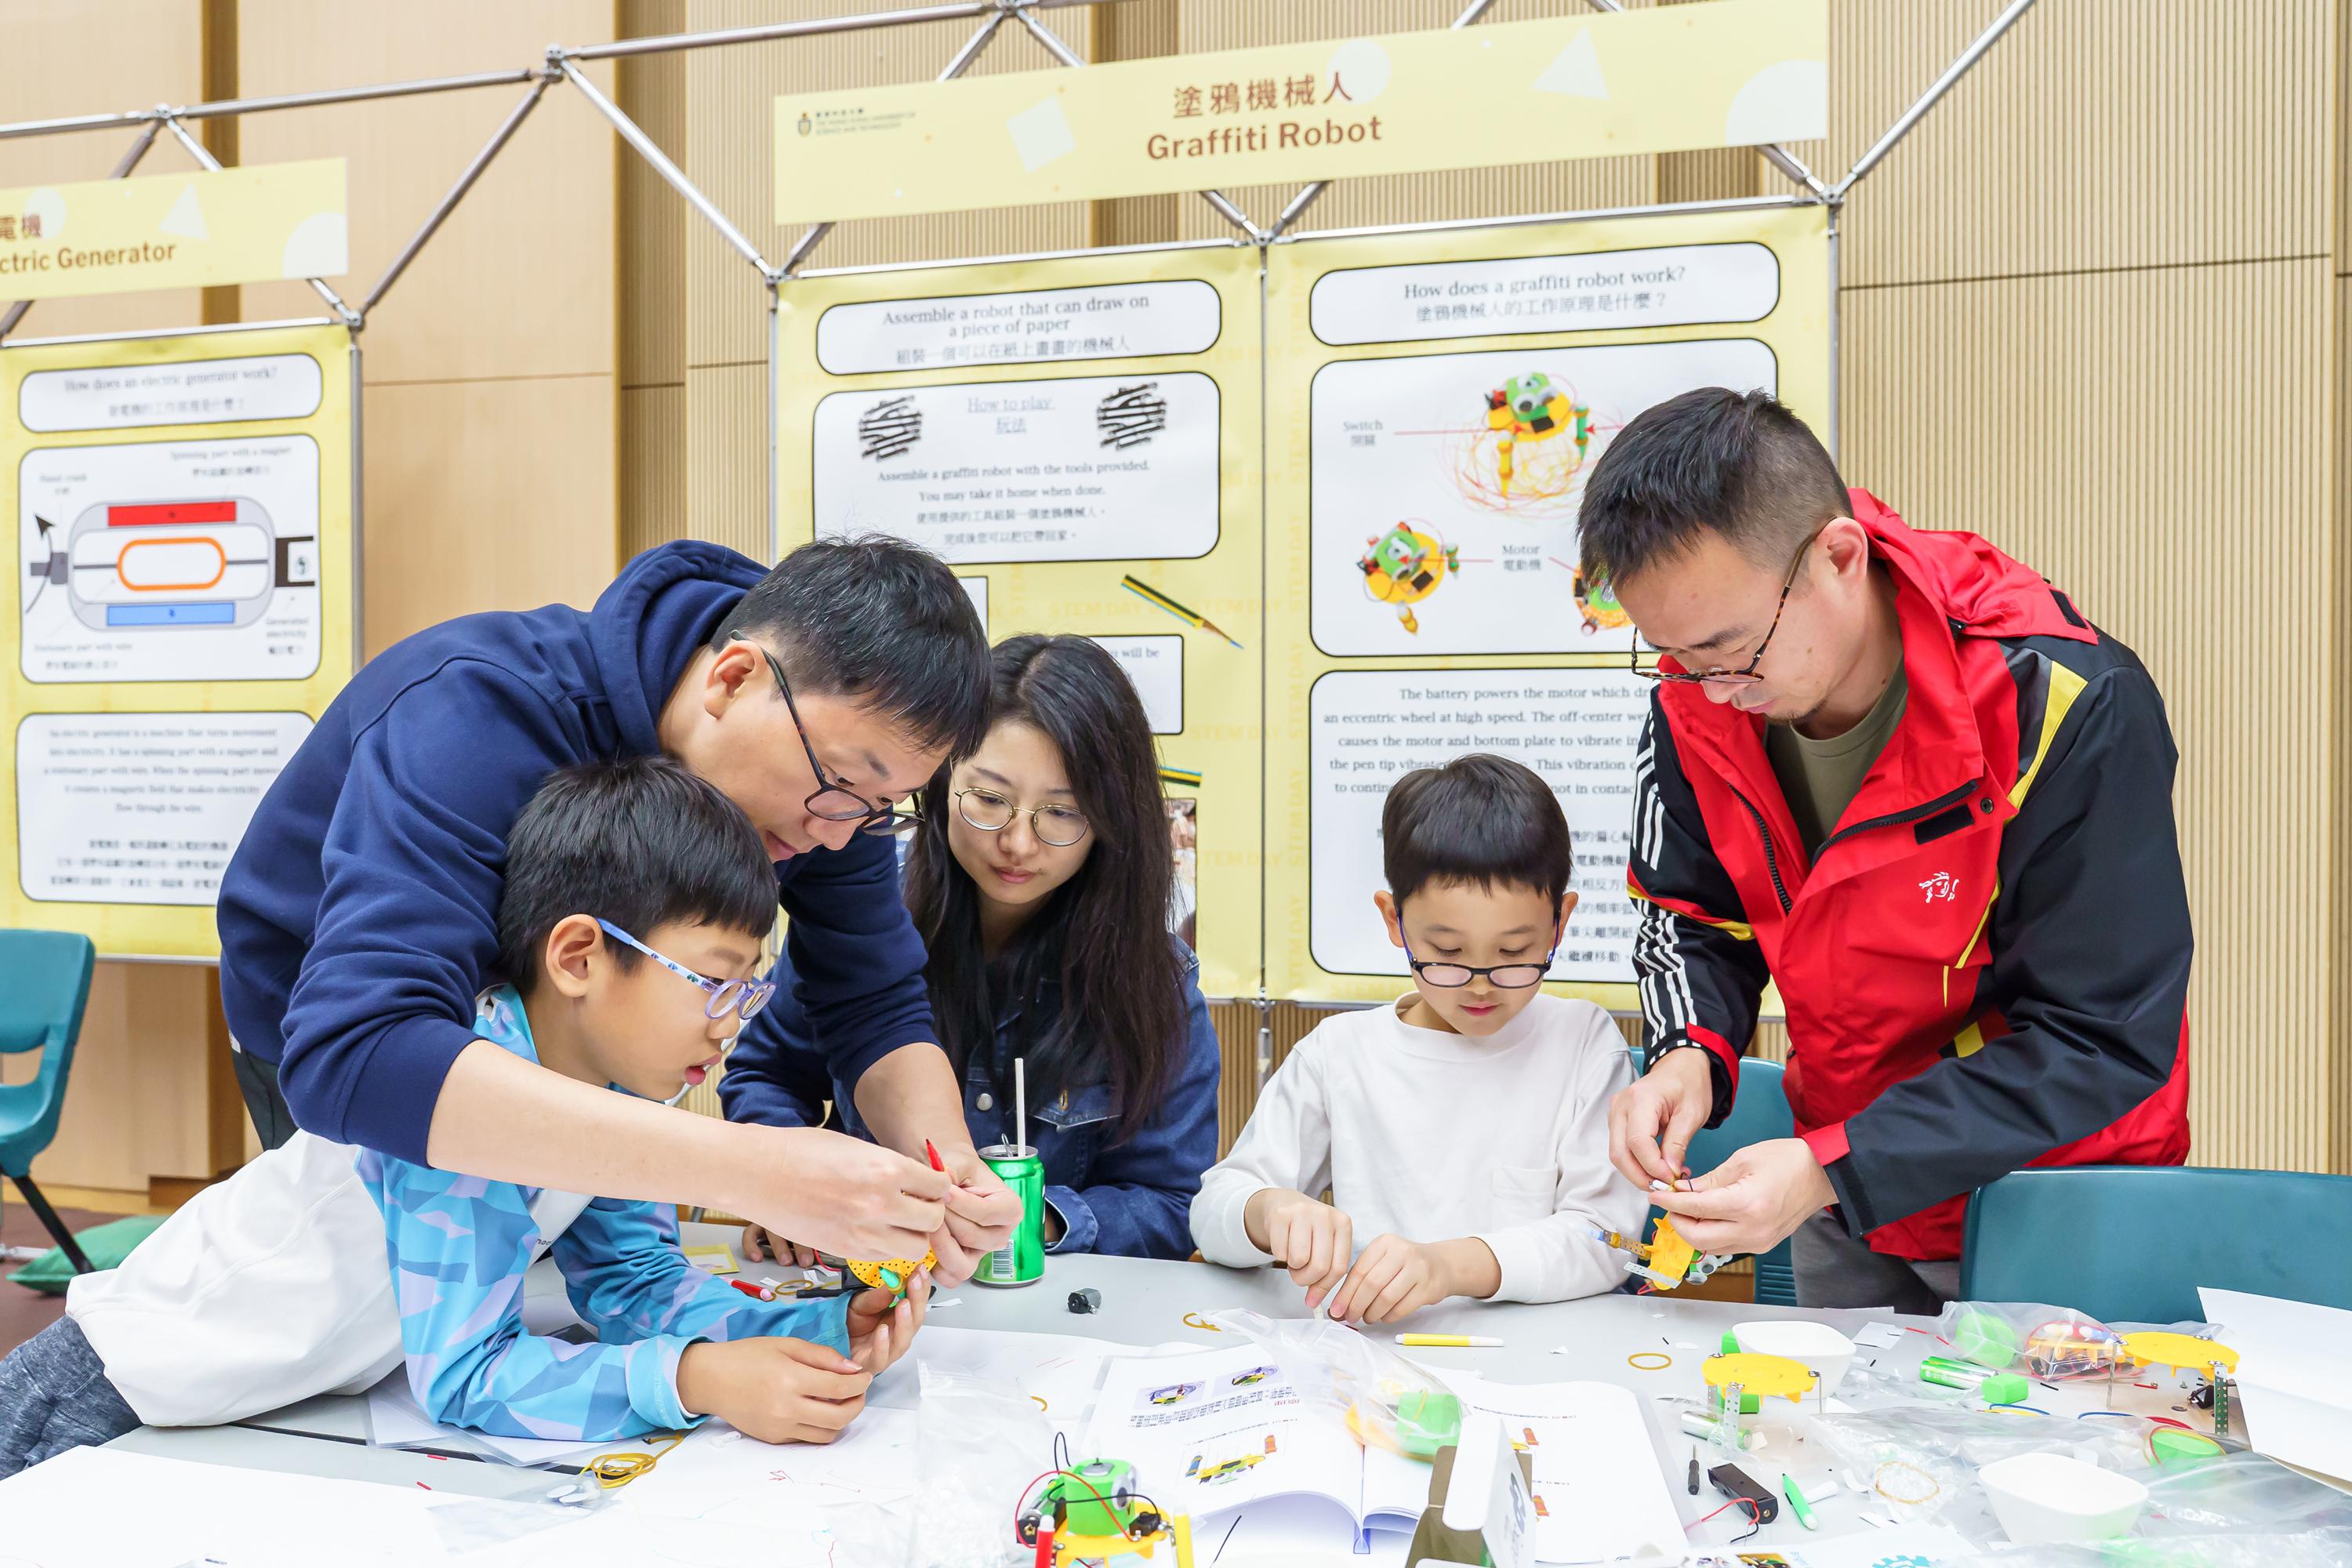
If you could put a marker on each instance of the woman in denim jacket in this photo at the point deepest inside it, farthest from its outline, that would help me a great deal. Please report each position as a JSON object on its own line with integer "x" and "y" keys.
{"x": 1040, "y": 881}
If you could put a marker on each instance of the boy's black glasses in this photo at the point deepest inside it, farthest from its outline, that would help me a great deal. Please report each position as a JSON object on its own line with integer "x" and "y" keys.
{"x": 1454, "y": 976}
{"x": 830, "y": 800}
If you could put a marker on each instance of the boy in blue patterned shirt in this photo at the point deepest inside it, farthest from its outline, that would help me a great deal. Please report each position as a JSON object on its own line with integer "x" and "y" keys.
{"x": 636, "y": 900}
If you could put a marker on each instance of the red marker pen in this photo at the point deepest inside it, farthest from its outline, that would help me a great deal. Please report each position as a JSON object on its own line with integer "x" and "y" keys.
{"x": 932, "y": 1150}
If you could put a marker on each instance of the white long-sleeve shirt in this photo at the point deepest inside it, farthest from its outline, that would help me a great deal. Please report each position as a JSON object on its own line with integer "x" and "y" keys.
{"x": 1435, "y": 1135}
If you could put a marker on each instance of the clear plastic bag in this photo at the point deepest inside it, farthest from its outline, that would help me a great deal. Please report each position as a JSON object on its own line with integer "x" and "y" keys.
{"x": 2052, "y": 1342}
{"x": 1919, "y": 1463}
{"x": 1387, "y": 1402}
{"x": 978, "y": 1442}
{"x": 2316, "y": 1549}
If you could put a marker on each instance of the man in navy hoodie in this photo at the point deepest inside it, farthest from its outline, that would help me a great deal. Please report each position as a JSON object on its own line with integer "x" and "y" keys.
{"x": 358, "y": 916}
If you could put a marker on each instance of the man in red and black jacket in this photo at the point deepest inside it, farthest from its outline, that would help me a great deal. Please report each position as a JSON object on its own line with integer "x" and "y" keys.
{"x": 1900, "y": 774}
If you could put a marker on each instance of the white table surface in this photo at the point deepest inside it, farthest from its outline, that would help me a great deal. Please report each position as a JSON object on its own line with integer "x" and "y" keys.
{"x": 1144, "y": 1303}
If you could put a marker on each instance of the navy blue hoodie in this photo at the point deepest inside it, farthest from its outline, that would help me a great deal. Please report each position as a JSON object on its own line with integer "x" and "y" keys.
{"x": 359, "y": 915}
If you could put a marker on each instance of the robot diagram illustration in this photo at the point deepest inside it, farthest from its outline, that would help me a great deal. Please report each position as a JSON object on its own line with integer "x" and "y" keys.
{"x": 1406, "y": 566}
{"x": 158, "y": 564}
{"x": 1528, "y": 453}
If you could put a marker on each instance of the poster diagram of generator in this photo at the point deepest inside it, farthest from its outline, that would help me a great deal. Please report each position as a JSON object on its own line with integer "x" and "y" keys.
{"x": 1444, "y": 491}
{"x": 170, "y": 561}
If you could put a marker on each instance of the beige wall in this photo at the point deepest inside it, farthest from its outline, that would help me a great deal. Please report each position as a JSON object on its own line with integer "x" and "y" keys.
{"x": 2093, "y": 307}
{"x": 491, "y": 396}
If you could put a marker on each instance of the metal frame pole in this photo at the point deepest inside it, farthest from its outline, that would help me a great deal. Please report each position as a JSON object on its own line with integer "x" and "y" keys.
{"x": 956, "y": 68}
{"x": 663, "y": 44}
{"x": 1837, "y": 373}
{"x": 1942, "y": 84}
{"x": 456, "y": 193}
{"x": 129, "y": 161}
{"x": 1070, "y": 58}
{"x": 634, "y": 135}
{"x": 1308, "y": 194}
{"x": 202, "y": 155}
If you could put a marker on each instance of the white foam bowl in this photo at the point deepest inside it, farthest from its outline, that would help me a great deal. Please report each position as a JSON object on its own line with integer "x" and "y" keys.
{"x": 1822, "y": 1349}
{"x": 2046, "y": 1497}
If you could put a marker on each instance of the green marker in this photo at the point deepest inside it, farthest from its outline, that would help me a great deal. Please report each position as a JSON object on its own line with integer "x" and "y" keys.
{"x": 1797, "y": 1500}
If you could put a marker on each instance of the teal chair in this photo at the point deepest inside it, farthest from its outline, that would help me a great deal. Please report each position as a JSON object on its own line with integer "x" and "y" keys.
{"x": 1759, "y": 1114}
{"x": 44, "y": 987}
{"x": 2131, "y": 1244}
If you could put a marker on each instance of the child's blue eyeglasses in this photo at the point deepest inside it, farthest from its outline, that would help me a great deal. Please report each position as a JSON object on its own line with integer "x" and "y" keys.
{"x": 742, "y": 998}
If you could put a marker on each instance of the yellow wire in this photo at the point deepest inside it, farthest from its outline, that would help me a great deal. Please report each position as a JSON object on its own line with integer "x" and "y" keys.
{"x": 619, "y": 1470}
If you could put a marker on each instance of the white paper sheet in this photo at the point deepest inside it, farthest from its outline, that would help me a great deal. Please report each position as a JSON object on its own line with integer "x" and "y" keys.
{"x": 1600, "y": 1492}
{"x": 2294, "y": 1376}
{"x": 395, "y": 1420}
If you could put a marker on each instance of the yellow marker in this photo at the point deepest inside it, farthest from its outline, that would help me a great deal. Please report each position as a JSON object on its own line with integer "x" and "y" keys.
{"x": 1458, "y": 1341}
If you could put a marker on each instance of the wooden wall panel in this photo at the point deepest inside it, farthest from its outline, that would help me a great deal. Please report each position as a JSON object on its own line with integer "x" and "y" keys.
{"x": 509, "y": 314}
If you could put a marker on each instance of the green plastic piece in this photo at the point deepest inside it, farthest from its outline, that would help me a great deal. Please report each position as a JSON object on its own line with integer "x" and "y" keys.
{"x": 2002, "y": 1388}
{"x": 1428, "y": 1421}
{"x": 1111, "y": 1480}
{"x": 2173, "y": 1449}
{"x": 1985, "y": 1340}
{"x": 1749, "y": 1403}
{"x": 1731, "y": 1342}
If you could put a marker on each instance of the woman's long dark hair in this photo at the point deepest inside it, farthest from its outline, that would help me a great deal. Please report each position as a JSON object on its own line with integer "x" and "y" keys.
{"x": 1103, "y": 934}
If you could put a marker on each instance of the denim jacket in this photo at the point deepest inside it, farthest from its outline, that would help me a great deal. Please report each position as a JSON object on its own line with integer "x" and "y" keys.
{"x": 1132, "y": 1199}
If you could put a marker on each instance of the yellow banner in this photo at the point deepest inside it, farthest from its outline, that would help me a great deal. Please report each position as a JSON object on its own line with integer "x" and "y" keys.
{"x": 174, "y": 231}
{"x": 1729, "y": 73}
{"x": 1079, "y": 439}
{"x": 1444, "y": 396}
{"x": 186, "y": 580}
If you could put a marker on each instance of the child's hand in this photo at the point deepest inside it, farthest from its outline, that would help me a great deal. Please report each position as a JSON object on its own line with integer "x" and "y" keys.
{"x": 1313, "y": 1240}
{"x": 759, "y": 1243}
{"x": 879, "y": 1330}
{"x": 1393, "y": 1276}
{"x": 775, "y": 1389}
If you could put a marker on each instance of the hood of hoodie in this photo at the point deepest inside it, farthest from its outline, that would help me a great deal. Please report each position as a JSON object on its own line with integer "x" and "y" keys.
{"x": 658, "y": 613}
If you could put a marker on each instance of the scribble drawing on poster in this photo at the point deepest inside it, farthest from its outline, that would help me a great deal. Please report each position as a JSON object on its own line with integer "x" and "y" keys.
{"x": 170, "y": 561}
{"x": 1444, "y": 491}
{"x": 1059, "y": 468}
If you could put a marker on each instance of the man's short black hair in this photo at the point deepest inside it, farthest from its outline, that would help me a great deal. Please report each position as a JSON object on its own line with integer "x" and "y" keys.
{"x": 640, "y": 842}
{"x": 1480, "y": 818}
{"x": 883, "y": 623}
{"x": 1737, "y": 464}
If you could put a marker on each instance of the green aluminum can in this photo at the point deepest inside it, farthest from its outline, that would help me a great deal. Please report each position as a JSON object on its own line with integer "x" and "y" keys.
{"x": 1021, "y": 1259}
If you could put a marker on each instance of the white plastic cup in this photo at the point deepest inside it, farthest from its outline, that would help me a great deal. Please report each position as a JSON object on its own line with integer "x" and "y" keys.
{"x": 2046, "y": 1497}
{"x": 1819, "y": 1348}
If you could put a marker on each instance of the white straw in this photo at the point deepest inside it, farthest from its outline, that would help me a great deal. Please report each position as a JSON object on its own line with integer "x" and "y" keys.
{"x": 1019, "y": 1103}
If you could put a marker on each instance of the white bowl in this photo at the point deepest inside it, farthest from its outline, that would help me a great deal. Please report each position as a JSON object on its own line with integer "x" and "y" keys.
{"x": 1820, "y": 1349}
{"x": 2042, "y": 1498}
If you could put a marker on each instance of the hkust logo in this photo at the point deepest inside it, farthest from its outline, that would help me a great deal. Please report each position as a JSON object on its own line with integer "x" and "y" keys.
{"x": 1942, "y": 885}
{"x": 805, "y": 124}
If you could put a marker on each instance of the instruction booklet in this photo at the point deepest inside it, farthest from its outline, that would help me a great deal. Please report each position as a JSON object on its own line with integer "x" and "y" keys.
{"x": 1220, "y": 1431}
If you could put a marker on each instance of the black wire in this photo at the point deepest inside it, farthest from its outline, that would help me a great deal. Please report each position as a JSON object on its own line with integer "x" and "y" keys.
{"x": 1755, "y": 1514}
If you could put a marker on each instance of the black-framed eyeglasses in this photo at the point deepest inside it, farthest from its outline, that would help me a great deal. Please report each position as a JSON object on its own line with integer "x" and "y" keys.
{"x": 831, "y": 800}
{"x": 1746, "y": 674}
{"x": 1454, "y": 976}
{"x": 1059, "y": 825}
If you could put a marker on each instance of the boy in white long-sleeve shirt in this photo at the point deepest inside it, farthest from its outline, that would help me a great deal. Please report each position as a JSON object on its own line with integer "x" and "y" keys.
{"x": 1465, "y": 1126}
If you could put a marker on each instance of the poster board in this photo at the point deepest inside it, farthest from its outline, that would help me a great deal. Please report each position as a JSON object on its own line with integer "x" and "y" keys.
{"x": 185, "y": 590}
{"x": 1054, "y": 429}
{"x": 1437, "y": 398}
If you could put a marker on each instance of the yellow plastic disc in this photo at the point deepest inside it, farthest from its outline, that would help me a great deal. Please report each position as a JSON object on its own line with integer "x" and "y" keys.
{"x": 1759, "y": 1374}
{"x": 2156, "y": 1347}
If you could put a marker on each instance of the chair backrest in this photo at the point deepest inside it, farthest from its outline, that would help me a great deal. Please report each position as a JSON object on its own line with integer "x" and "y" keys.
{"x": 1760, "y": 1113}
{"x": 2131, "y": 1244}
{"x": 44, "y": 985}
